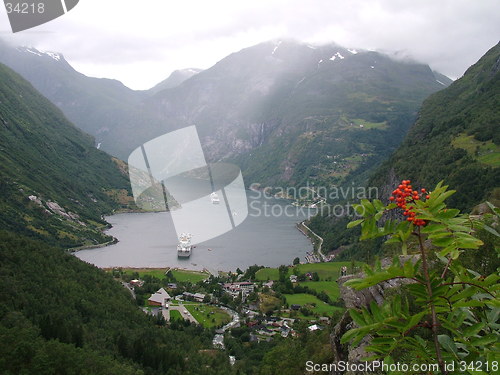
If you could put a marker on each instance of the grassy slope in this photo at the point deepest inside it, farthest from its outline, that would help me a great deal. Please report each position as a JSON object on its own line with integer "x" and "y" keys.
{"x": 303, "y": 299}
{"x": 327, "y": 272}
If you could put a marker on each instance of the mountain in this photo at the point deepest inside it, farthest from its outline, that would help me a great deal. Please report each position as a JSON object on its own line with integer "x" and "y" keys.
{"x": 59, "y": 315}
{"x": 55, "y": 185}
{"x": 286, "y": 112}
{"x": 455, "y": 138}
{"x": 174, "y": 80}
{"x": 97, "y": 106}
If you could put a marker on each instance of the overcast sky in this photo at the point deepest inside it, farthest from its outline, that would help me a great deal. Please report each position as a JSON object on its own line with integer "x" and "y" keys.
{"x": 142, "y": 42}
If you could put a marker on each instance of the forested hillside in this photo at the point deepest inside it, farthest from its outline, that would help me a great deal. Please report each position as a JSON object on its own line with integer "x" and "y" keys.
{"x": 54, "y": 184}
{"x": 455, "y": 139}
{"x": 59, "y": 315}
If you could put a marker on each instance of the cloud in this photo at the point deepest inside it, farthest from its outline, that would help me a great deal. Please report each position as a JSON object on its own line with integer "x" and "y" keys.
{"x": 140, "y": 43}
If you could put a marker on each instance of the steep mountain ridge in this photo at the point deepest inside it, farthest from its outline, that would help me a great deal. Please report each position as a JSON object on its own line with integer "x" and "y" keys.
{"x": 282, "y": 110}
{"x": 279, "y": 108}
{"x": 175, "y": 79}
{"x": 59, "y": 315}
{"x": 98, "y": 106}
{"x": 456, "y": 138}
{"x": 55, "y": 185}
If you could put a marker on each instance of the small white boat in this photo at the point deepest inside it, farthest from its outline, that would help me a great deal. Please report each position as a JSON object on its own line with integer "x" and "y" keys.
{"x": 214, "y": 198}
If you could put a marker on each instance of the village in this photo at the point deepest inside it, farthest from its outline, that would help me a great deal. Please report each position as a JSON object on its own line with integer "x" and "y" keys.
{"x": 260, "y": 304}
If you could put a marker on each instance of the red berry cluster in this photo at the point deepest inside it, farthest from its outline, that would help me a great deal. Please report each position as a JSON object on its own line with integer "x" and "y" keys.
{"x": 404, "y": 195}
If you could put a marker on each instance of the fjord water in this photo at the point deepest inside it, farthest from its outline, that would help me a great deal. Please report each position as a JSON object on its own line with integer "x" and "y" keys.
{"x": 267, "y": 237}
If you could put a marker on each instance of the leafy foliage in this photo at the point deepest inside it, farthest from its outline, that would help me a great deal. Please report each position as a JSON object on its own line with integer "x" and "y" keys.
{"x": 459, "y": 306}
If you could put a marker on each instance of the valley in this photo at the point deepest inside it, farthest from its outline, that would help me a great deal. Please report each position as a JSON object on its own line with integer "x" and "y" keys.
{"x": 333, "y": 124}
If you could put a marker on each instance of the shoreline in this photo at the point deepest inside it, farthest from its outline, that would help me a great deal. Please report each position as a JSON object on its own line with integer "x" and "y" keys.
{"x": 96, "y": 246}
{"x": 196, "y": 268}
{"x": 318, "y": 250}
{"x": 166, "y": 269}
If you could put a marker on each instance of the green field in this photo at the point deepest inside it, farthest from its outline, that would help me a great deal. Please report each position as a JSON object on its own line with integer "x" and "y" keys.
{"x": 369, "y": 125}
{"x": 191, "y": 276}
{"x": 265, "y": 274}
{"x": 329, "y": 271}
{"x": 303, "y": 299}
{"x": 484, "y": 152}
{"x": 180, "y": 275}
{"x": 155, "y": 272}
{"x": 326, "y": 271}
{"x": 331, "y": 288}
{"x": 175, "y": 315}
{"x": 208, "y": 316}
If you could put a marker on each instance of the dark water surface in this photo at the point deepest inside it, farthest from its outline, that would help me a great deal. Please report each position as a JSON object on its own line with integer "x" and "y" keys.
{"x": 267, "y": 237}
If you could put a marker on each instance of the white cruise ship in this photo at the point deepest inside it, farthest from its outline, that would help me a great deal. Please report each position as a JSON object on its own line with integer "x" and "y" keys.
{"x": 184, "y": 247}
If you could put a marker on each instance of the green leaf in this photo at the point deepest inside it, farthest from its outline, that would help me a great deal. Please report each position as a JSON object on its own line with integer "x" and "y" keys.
{"x": 440, "y": 235}
{"x": 448, "y": 344}
{"x": 366, "y": 315}
{"x": 348, "y": 336}
{"x": 359, "y": 209}
{"x": 369, "y": 208}
{"x": 472, "y": 303}
{"x": 442, "y": 242}
{"x": 491, "y": 230}
{"x": 414, "y": 320}
{"x": 354, "y": 223}
{"x": 436, "y": 199}
{"x": 433, "y": 227}
{"x": 409, "y": 270}
{"x": 357, "y": 317}
{"x": 448, "y": 214}
{"x": 376, "y": 311}
{"x": 496, "y": 210}
{"x": 473, "y": 329}
{"x": 393, "y": 239}
{"x": 485, "y": 340}
{"x": 378, "y": 205}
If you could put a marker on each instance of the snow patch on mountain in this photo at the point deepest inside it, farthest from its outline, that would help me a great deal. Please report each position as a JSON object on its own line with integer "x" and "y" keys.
{"x": 34, "y": 51}
{"x": 337, "y": 54}
{"x": 353, "y": 51}
{"x": 54, "y": 55}
{"x": 276, "y": 47}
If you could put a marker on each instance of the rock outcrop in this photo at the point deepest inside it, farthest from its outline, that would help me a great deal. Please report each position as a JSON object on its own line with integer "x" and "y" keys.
{"x": 358, "y": 299}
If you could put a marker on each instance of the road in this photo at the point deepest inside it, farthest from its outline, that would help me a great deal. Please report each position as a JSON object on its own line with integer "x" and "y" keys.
{"x": 320, "y": 241}
{"x": 218, "y": 340}
{"x": 166, "y": 314}
{"x": 186, "y": 315}
{"x": 235, "y": 321}
{"x": 127, "y": 285}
